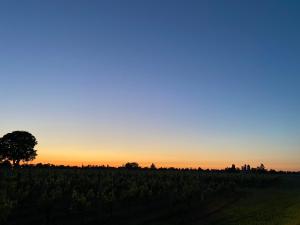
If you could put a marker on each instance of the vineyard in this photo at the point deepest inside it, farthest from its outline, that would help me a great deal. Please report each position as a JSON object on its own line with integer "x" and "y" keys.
{"x": 115, "y": 196}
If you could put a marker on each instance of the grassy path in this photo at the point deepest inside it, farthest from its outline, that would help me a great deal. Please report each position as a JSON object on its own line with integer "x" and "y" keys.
{"x": 272, "y": 206}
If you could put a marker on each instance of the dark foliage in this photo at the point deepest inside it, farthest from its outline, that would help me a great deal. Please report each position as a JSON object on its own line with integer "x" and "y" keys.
{"x": 132, "y": 165}
{"x": 44, "y": 194}
{"x": 18, "y": 146}
{"x": 5, "y": 164}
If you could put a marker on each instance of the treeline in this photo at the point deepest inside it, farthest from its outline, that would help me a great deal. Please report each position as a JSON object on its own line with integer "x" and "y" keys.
{"x": 17, "y": 149}
{"x": 128, "y": 195}
{"x": 135, "y": 166}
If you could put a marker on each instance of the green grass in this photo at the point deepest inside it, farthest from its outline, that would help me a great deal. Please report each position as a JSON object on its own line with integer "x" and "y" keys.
{"x": 271, "y": 206}
{"x": 146, "y": 197}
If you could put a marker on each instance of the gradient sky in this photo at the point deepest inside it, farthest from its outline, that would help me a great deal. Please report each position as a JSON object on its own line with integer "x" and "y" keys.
{"x": 177, "y": 83}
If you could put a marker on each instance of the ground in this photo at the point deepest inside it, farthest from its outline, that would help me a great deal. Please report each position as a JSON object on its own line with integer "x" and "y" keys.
{"x": 271, "y": 206}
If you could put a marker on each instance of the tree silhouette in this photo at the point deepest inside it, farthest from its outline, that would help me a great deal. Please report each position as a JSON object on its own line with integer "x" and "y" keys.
{"x": 153, "y": 167}
{"x": 261, "y": 168}
{"x": 132, "y": 165}
{"x": 248, "y": 168}
{"x": 18, "y": 146}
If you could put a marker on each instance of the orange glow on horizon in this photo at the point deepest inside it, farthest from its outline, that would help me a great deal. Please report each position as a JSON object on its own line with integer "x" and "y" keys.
{"x": 163, "y": 164}
{"x": 115, "y": 155}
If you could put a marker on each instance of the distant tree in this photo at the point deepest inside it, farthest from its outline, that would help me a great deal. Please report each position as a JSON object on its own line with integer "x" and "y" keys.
{"x": 248, "y": 168}
{"x": 18, "y": 146}
{"x": 153, "y": 167}
{"x": 231, "y": 169}
{"x": 132, "y": 165}
{"x": 244, "y": 168}
{"x": 261, "y": 168}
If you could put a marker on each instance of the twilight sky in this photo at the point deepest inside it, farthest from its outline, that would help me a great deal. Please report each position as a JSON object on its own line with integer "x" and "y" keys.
{"x": 177, "y": 83}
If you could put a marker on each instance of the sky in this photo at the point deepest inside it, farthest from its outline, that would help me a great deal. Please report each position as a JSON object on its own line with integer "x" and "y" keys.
{"x": 178, "y": 83}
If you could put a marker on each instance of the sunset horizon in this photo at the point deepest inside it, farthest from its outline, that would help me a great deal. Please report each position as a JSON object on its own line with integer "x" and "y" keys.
{"x": 150, "y": 112}
{"x": 202, "y": 84}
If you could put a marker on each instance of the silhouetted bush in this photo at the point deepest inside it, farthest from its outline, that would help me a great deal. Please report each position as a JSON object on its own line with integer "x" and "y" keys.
{"x": 132, "y": 165}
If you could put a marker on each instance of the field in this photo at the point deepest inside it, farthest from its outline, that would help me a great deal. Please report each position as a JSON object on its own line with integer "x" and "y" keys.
{"x": 278, "y": 205}
{"x": 147, "y": 197}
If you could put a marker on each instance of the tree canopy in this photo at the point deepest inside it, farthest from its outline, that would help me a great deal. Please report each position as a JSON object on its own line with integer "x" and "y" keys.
{"x": 18, "y": 146}
{"x": 132, "y": 165}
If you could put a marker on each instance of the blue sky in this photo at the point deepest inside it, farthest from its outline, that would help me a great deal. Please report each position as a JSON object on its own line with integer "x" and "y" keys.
{"x": 182, "y": 82}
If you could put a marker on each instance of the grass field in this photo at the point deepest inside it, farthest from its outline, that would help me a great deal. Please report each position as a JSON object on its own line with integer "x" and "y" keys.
{"x": 276, "y": 205}
{"x": 271, "y": 206}
{"x": 53, "y": 196}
